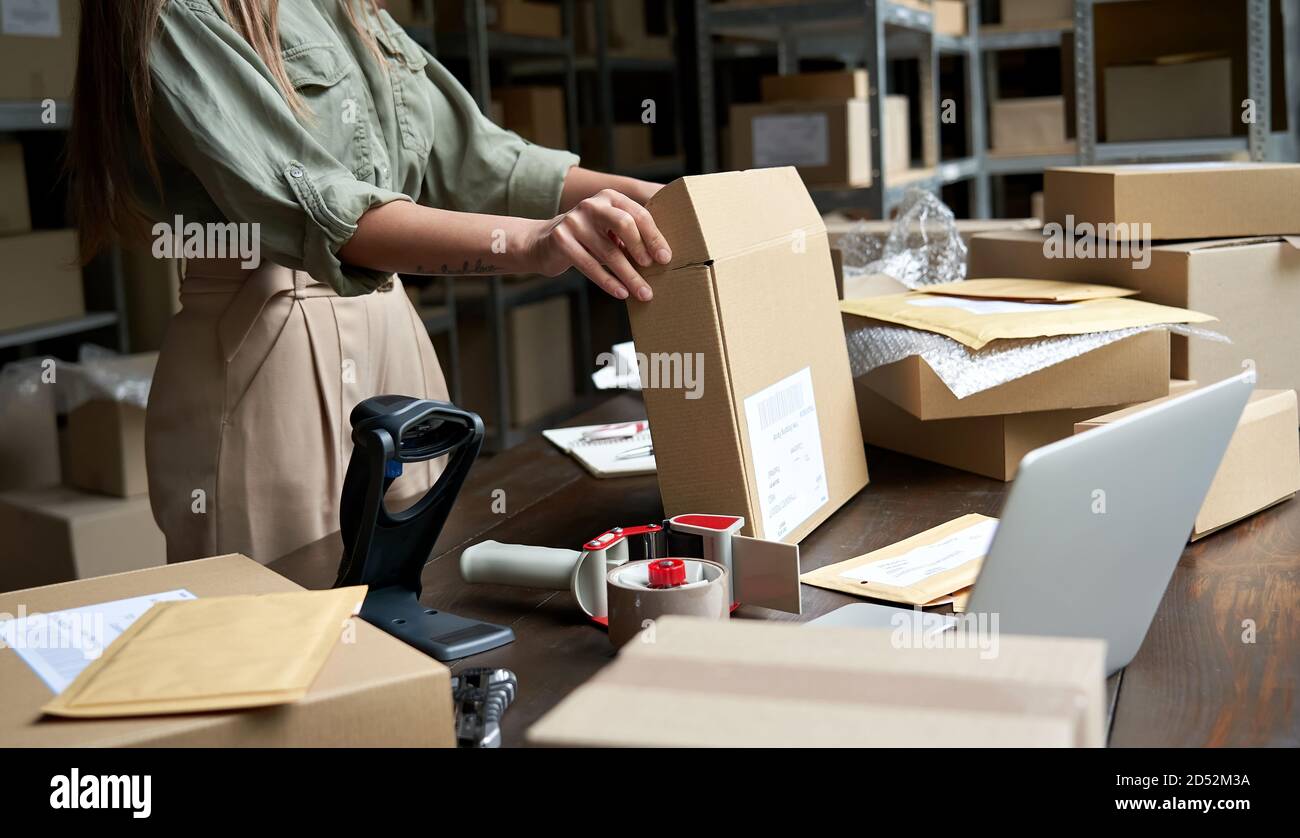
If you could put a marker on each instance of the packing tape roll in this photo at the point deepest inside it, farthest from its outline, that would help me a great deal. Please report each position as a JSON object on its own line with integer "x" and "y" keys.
{"x": 632, "y": 601}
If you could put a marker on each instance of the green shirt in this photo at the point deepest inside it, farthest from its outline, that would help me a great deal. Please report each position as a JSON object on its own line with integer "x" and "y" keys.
{"x": 231, "y": 149}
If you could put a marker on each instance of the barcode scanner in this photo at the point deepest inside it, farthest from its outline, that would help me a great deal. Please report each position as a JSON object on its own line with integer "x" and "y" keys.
{"x": 387, "y": 551}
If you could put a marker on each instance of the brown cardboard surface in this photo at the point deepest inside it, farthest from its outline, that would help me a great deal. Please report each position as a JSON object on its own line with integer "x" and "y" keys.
{"x": 992, "y": 446}
{"x": 975, "y": 324}
{"x": 57, "y": 534}
{"x": 747, "y": 683}
{"x": 829, "y": 143}
{"x": 1020, "y": 12}
{"x": 810, "y": 87}
{"x": 515, "y": 17}
{"x": 633, "y": 145}
{"x": 106, "y": 449}
{"x": 539, "y": 365}
{"x": 1131, "y": 370}
{"x": 750, "y": 289}
{"x": 1169, "y": 101}
{"x": 15, "y": 215}
{"x": 35, "y": 68}
{"x": 534, "y": 112}
{"x": 153, "y": 296}
{"x": 1251, "y": 285}
{"x": 950, "y": 17}
{"x": 29, "y": 445}
{"x": 42, "y": 278}
{"x": 1260, "y": 468}
{"x": 376, "y": 691}
{"x": 898, "y": 134}
{"x": 1026, "y": 126}
{"x": 1179, "y": 201}
{"x": 1027, "y": 290}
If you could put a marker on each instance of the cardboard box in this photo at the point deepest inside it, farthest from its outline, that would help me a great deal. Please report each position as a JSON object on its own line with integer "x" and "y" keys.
{"x": 153, "y": 296}
{"x": 898, "y": 134}
{"x": 1131, "y": 370}
{"x": 633, "y": 146}
{"x": 1261, "y": 467}
{"x": 105, "y": 441}
{"x": 1170, "y": 100}
{"x": 29, "y": 445}
{"x": 746, "y": 683}
{"x": 626, "y": 33}
{"x": 1251, "y": 285}
{"x": 58, "y": 533}
{"x": 812, "y": 87}
{"x": 373, "y": 691}
{"x": 42, "y": 278}
{"x": 513, "y": 17}
{"x": 749, "y": 303}
{"x": 1179, "y": 200}
{"x": 1027, "y": 13}
{"x": 535, "y": 112}
{"x": 15, "y": 215}
{"x": 950, "y": 17}
{"x": 539, "y": 365}
{"x": 828, "y": 142}
{"x": 38, "y": 51}
{"x": 1034, "y": 125}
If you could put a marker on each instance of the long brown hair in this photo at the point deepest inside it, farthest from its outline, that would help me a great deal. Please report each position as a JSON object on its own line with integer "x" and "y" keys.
{"x": 112, "y": 100}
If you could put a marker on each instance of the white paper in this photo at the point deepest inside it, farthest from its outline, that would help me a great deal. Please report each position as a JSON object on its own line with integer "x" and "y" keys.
{"x": 60, "y": 644}
{"x": 986, "y": 306}
{"x": 785, "y": 446}
{"x": 34, "y": 18}
{"x": 922, "y": 562}
{"x": 602, "y": 456}
{"x": 791, "y": 140}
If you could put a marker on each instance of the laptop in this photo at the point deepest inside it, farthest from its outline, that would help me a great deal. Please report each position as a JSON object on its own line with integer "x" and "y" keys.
{"x": 1094, "y": 526}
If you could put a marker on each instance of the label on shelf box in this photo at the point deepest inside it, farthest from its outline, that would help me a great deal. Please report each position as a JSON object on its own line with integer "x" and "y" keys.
{"x": 32, "y": 18}
{"x": 791, "y": 140}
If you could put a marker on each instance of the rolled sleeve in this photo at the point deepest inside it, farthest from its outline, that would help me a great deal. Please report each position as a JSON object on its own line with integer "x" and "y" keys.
{"x": 224, "y": 119}
{"x": 537, "y": 181}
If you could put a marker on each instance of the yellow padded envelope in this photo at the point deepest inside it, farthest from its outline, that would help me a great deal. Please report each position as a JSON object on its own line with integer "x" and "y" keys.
{"x": 218, "y": 653}
{"x": 978, "y": 322}
{"x": 1028, "y": 290}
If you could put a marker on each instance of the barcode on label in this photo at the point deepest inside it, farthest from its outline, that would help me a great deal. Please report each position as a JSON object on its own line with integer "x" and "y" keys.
{"x": 779, "y": 405}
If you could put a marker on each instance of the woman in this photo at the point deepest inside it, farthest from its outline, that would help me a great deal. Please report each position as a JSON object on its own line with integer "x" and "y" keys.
{"x": 321, "y": 129}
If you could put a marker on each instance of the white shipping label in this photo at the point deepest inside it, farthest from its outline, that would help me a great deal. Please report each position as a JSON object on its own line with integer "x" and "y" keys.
{"x": 791, "y": 140}
{"x": 34, "y": 18}
{"x": 785, "y": 446}
{"x": 986, "y": 306}
{"x": 58, "y": 645}
{"x": 970, "y": 544}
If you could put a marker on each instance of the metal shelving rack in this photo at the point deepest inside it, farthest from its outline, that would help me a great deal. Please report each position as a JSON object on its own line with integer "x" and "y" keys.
{"x": 478, "y": 45}
{"x": 24, "y": 117}
{"x": 866, "y": 32}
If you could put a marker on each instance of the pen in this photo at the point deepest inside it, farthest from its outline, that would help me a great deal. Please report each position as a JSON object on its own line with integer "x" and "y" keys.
{"x": 640, "y": 451}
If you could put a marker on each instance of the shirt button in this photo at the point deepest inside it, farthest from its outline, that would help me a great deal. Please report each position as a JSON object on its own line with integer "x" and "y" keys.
{"x": 295, "y": 172}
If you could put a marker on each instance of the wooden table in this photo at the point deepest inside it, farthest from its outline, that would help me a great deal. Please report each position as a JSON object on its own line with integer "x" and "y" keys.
{"x": 1195, "y": 682}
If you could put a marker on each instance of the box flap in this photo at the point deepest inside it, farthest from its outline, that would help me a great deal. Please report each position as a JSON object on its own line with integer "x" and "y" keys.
{"x": 976, "y": 323}
{"x": 710, "y": 217}
{"x": 1027, "y": 290}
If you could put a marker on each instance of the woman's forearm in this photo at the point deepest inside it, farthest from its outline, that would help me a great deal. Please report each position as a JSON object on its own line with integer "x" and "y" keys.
{"x": 582, "y": 183}
{"x": 403, "y": 237}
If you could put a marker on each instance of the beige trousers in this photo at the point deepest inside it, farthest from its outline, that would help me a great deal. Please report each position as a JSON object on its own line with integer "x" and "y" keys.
{"x": 247, "y": 436}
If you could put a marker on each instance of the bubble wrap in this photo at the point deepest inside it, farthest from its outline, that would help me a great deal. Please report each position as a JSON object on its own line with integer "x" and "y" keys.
{"x": 99, "y": 374}
{"x": 922, "y": 248}
{"x": 967, "y": 371}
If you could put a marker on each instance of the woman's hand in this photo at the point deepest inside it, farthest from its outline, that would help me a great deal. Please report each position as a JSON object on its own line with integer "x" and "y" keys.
{"x": 601, "y": 236}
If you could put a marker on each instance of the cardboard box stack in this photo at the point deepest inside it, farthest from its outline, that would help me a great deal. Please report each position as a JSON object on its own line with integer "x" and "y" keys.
{"x": 534, "y": 112}
{"x": 1233, "y": 253}
{"x": 373, "y": 691}
{"x": 38, "y": 50}
{"x": 749, "y": 390}
{"x": 99, "y": 520}
{"x": 1170, "y": 98}
{"x": 1260, "y": 469}
{"x": 906, "y": 406}
{"x": 816, "y": 122}
{"x": 626, "y": 29}
{"x": 746, "y": 683}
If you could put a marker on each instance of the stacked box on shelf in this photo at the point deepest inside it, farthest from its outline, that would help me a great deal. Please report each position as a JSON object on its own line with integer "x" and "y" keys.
{"x": 38, "y": 50}
{"x": 534, "y": 112}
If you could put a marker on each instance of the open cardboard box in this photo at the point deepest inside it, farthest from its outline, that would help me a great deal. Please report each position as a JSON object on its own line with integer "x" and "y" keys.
{"x": 374, "y": 691}
{"x": 748, "y": 305}
{"x": 1251, "y": 285}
